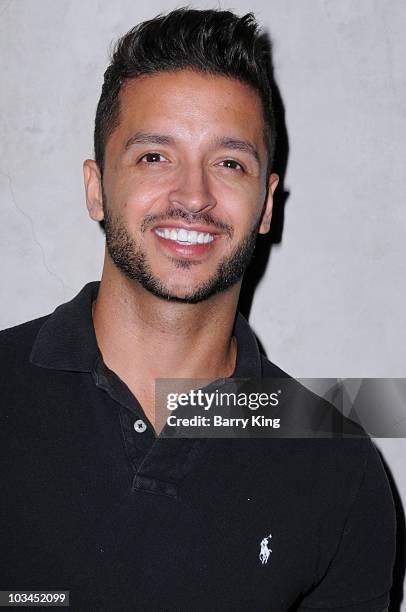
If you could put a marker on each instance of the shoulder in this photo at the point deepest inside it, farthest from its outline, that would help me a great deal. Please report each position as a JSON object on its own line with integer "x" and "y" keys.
{"x": 305, "y": 413}
{"x": 323, "y": 442}
{"x": 22, "y": 333}
{"x": 270, "y": 370}
{"x": 16, "y": 343}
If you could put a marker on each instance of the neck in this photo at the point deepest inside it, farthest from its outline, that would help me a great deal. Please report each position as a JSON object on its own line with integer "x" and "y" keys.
{"x": 143, "y": 337}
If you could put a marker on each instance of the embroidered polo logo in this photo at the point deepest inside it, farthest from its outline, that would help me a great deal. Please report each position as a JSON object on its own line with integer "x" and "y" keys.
{"x": 265, "y": 551}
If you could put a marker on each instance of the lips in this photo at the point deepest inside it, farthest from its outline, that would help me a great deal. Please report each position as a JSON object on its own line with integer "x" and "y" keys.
{"x": 183, "y": 236}
{"x": 187, "y": 243}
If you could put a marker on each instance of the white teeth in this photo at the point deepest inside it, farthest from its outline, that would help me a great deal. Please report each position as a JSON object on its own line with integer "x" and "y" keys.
{"x": 183, "y": 236}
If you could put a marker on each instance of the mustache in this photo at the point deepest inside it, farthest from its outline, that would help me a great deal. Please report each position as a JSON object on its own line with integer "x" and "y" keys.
{"x": 188, "y": 218}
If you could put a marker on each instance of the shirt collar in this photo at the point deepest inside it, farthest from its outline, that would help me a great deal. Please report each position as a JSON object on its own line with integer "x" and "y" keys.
{"x": 67, "y": 340}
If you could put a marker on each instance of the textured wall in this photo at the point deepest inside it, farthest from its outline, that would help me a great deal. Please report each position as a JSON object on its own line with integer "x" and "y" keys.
{"x": 331, "y": 302}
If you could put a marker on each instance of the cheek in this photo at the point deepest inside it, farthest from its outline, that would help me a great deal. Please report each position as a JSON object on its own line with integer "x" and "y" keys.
{"x": 240, "y": 207}
{"x": 137, "y": 197}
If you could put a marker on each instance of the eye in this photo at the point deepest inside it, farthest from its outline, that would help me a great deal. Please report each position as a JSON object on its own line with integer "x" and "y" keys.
{"x": 231, "y": 164}
{"x": 152, "y": 158}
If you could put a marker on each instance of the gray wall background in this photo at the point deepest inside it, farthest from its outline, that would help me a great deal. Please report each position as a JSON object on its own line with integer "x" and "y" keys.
{"x": 331, "y": 303}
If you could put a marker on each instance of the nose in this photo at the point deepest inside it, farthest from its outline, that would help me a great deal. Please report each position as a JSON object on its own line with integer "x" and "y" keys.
{"x": 192, "y": 191}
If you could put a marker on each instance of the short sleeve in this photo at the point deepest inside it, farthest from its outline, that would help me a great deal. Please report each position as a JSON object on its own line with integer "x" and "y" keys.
{"x": 359, "y": 575}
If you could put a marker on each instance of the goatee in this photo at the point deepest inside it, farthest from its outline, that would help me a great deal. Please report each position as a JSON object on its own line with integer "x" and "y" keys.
{"x": 132, "y": 261}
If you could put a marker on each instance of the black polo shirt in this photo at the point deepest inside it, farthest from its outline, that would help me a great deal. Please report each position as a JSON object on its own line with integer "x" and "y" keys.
{"x": 95, "y": 503}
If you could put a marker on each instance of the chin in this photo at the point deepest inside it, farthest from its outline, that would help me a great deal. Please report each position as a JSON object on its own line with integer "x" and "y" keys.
{"x": 181, "y": 294}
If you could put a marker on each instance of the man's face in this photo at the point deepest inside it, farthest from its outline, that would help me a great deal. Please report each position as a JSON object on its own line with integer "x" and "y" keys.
{"x": 184, "y": 183}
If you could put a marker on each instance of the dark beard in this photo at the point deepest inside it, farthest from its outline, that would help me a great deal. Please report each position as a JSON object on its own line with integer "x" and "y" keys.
{"x": 131, "y": 260}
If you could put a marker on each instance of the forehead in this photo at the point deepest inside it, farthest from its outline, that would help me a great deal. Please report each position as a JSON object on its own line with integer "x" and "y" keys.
{"x": 188, "y": 104}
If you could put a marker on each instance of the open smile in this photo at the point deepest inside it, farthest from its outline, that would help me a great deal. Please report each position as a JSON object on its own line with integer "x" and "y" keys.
{"x": 186, "y": 242}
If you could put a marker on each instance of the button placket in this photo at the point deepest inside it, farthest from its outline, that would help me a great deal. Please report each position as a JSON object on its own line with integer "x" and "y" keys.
{"x": 137, "y": 445}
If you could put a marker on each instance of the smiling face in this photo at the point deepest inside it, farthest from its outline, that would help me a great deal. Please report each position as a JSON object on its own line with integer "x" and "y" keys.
{"x": 184, "y": 190}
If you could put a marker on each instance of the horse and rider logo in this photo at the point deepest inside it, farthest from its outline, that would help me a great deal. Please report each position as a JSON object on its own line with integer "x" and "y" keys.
{"x": 265, "y": 552}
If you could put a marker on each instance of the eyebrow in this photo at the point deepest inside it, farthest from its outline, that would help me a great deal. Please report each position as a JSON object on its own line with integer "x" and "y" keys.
{"x": 148, "y": 138}
{"x": 237, "y": 144}
{"x": 227, "y": 142}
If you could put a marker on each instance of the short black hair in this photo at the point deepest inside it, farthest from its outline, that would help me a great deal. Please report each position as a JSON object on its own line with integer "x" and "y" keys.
{"x": 212, "y": 41}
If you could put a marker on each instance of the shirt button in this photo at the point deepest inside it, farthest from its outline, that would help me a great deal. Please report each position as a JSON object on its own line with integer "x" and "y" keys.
{"x": 140, "y": 426}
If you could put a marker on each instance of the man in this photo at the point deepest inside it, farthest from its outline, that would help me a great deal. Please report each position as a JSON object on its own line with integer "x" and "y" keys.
{"x": 94, "y": 500}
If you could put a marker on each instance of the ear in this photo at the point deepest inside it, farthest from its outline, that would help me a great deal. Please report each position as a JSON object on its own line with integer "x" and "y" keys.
{"x": 93, "y": 189}
{"x": 267, "y": 210}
